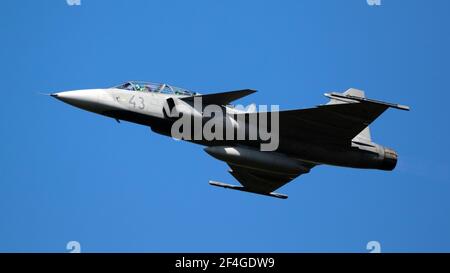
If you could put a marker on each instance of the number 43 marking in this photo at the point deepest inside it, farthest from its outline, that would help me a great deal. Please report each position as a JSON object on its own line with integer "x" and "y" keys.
{"x": 139, "y": 104}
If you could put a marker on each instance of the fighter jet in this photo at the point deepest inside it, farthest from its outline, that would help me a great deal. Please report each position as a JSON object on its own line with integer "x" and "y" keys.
{"x": 336, "y": 133}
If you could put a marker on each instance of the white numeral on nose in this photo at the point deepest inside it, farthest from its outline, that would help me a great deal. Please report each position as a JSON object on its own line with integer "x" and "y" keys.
{"x": 137, "y": 102}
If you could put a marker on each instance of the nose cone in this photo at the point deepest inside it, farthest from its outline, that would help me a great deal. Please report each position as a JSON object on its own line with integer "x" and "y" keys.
{"x": 85, "y": 99}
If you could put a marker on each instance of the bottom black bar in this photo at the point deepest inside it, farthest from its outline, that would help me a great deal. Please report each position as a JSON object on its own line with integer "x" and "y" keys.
{"x": 221, "y": 262}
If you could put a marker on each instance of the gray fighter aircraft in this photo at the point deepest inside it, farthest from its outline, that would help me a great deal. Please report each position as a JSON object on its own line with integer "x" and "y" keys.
{"x": 334, "y": 134}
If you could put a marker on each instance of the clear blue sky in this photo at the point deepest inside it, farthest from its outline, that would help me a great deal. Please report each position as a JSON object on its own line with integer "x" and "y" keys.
{"x": 66, "y": 174}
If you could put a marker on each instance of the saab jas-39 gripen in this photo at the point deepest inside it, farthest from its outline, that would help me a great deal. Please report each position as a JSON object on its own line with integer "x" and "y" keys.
{"x": 336, "y": 133}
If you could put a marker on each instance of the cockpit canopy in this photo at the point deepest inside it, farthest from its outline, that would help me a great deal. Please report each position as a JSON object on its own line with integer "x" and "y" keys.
{"x": 155, "y": 87}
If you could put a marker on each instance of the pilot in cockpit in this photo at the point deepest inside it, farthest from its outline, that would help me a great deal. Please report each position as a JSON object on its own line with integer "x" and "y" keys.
{"x": 142, "y": 87}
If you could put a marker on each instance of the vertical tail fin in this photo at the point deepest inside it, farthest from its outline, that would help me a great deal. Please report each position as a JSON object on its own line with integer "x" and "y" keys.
{"x": 364, "y": 136}
{"x": 352, "y": 92}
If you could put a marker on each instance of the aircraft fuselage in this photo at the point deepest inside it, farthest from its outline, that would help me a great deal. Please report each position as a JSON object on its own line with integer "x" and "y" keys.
{"x": 147, "y": 108}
